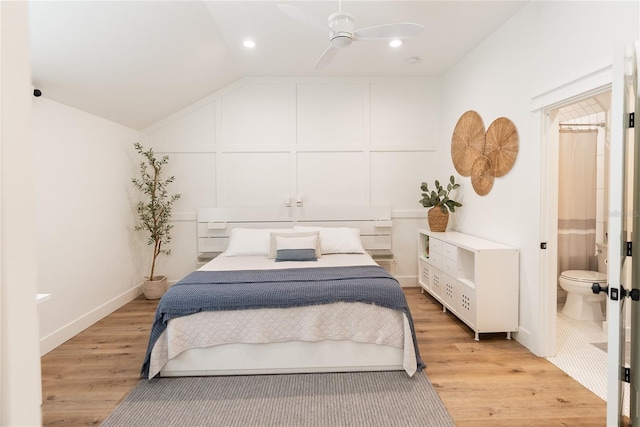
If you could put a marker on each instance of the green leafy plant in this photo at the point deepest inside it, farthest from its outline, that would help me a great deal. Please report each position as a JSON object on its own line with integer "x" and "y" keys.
{"x": 440, "y": 196}
{"x": 154, "y": 212}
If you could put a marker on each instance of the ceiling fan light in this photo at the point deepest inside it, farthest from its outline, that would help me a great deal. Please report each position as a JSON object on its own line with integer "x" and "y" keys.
{"x": 341, "y": 40}
{"x": 396, "y": 43}
{"x": 341, "y": 22}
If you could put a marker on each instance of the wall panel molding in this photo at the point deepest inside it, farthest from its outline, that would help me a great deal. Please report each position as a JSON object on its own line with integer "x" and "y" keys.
{"x": 353, "y": 141}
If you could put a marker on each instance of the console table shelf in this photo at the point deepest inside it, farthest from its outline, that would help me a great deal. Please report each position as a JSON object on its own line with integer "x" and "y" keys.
{"x": 474, "y": 278}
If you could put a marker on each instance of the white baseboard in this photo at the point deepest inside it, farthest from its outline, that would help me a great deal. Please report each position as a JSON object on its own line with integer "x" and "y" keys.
{"x": 407, "y": 281}
{"x": 524, "y": 337}
{"x": 73, "y": 328}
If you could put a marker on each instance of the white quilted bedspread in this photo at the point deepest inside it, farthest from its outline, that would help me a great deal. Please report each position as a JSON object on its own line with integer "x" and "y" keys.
{"x": 358, "y": 322}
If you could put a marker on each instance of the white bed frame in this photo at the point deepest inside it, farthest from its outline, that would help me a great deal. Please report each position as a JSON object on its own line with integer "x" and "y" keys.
{"x": 214, "y": 226}
{"x": 284, "y": 358}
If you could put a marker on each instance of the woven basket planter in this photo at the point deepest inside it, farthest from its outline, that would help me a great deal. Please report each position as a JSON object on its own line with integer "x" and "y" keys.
{"x": 437, "y": 219}
{"x": 154, "y": 289}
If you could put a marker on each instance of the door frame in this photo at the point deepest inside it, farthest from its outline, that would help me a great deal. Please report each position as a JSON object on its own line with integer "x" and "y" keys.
{"x": 584, "y": 87}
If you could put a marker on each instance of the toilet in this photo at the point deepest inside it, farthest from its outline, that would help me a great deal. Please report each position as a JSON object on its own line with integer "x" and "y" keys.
{"x": 582, "y": 303}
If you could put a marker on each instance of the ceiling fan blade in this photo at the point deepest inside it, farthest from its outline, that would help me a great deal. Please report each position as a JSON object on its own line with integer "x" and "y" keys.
{"x": 326, "y": 57}
{"x": 389, "y": 31}
{"x": 300, "y": 16}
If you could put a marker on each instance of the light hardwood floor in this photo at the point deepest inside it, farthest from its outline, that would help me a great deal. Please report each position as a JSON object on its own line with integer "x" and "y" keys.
{"x": 494, "y": 382}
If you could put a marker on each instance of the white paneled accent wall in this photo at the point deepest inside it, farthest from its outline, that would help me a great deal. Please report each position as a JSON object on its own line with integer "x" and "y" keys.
{"x": 256, "y": 114}
{"x": 331, "y": 114}
{"x": 324, "y": 142}
{"x": 332, "y": 179}
{"x": 254, "y": 179}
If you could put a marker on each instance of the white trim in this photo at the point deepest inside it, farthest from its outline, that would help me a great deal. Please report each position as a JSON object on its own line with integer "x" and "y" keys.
{"x": 578, "y": 88}
{"x": 524, "y": 337}
{"x": 616, "y": 229}
{"x": 548, "y": 227}
{"x": 407, "y": 281}
{"x": 73, "y": 328}
{"x": 581, "y": 88}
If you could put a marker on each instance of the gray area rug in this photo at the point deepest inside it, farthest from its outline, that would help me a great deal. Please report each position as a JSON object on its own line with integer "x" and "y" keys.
{"x": 327, "y": 399}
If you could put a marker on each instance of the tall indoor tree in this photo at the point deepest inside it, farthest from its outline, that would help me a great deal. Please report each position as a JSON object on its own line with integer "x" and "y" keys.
{"x": 154, "y": 212}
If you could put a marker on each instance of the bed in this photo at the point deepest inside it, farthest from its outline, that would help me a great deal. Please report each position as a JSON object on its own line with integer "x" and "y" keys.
{"x": 301, "y": 297}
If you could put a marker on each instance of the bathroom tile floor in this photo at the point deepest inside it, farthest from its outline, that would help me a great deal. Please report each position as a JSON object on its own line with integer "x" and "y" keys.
{"x": 580, "y": 358}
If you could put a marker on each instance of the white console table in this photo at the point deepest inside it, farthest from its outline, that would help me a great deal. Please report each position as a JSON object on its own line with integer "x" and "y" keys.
{"x": 475, "y": 279}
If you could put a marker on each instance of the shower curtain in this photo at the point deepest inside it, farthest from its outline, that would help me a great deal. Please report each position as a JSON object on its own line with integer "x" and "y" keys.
{"x": 577, "y": 200}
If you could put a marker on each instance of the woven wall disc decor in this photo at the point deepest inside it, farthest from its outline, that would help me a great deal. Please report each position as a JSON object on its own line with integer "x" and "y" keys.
{"x": 482, "y": 175}
{"x": 501, "y": 145}
{"x": 467, "y": 142}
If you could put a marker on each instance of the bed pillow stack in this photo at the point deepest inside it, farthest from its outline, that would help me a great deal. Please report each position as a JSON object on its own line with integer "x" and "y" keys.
{"x": 301, "y": 248}
{"x": 301, "y": 240}
{"x": 279, "y": 241}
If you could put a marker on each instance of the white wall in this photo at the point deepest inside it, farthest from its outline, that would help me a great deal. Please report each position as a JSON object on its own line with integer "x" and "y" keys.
{"x": 262, "y": 141}
{"x": 88, "y": 256}
{"x": 20, "y": 389}
{"x": 545, "y": 45}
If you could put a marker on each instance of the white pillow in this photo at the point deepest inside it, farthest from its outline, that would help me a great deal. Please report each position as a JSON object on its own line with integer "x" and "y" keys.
{"x": 273, "y": 248}
{"x": 336, "y": 240}
{"x": 250, "y": 241}
{"x": 303, "y": 242}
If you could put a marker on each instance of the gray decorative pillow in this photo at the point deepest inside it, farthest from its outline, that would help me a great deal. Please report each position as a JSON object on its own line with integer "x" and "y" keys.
{"x": 296, "y": 255}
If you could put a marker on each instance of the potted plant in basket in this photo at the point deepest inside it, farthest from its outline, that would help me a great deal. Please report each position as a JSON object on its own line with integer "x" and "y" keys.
{"x": 154, "y": 213}
{"x": 440, "y": 203}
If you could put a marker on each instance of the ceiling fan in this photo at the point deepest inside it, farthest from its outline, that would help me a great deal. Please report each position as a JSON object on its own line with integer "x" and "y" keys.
{"x": 342, "y": 33}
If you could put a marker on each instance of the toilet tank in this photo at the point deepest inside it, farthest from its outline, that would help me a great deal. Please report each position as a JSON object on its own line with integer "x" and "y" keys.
{"x": 602, "y": 257}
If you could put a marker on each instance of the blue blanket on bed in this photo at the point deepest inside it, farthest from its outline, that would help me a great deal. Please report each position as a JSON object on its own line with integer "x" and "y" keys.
{"x": 281, "y": 288}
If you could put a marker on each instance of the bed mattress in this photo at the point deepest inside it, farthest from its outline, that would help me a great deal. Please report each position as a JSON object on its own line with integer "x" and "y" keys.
{"x": 339, "y": 321}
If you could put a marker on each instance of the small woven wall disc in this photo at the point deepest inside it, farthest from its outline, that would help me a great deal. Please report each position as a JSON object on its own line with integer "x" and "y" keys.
{"x": 482, "y": 175}
{"x": 502, "y": 145}
{"x": 467, "y": 142}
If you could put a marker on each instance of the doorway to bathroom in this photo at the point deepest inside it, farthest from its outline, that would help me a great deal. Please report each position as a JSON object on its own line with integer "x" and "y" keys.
{"x": 577, "y": 158}
{"x": 578, "y": 154}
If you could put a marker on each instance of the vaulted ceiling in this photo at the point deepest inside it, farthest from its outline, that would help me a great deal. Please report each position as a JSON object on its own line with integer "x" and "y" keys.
{"x": 136, "y": 62}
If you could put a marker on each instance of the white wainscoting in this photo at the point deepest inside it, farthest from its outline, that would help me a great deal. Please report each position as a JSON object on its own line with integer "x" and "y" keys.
{"x": 256, "y": 114}
{"x": 314, "y": 141}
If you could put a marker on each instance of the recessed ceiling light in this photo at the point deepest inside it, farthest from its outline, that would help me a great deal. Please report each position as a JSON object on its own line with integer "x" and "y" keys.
{"x": 396, "y": 43}
{"x": 413, "y": 60}
{"x": 249, "y": 44}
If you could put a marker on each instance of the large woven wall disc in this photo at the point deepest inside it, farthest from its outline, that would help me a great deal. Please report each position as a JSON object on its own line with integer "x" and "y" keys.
{"x": 467, "y": 142}
{"x": 482, "y": 175}
{"x": 501, "y": 146}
